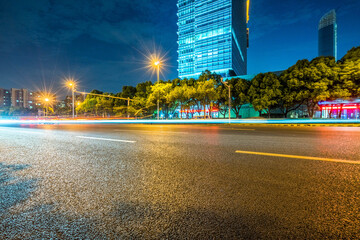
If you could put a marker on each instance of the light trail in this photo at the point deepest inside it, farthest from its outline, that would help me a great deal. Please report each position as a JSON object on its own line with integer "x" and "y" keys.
{"x": 202, "y": 121}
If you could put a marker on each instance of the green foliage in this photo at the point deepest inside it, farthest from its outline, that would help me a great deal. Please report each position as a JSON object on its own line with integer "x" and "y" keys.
{"x": 349, "y": 72}
{"x": 352, "y": 55}
{"x": 239, "y": 93}
{"x": 265, "y": 92}
{"x": 143, "y": 89}
{"x": 181, "y": 95}
{"x": 159, "y": 92}
{"x": 318, "y": 79}
{"x": 206, "y": 93}
{"x": 305, "y": 83}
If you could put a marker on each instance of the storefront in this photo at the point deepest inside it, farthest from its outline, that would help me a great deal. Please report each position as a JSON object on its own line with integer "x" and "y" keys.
{"x": 340, "y": 109}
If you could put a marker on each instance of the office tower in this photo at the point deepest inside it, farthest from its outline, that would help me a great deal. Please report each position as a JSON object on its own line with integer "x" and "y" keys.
{"x": 212, "y": 35}
{"x": 328, "y": 35}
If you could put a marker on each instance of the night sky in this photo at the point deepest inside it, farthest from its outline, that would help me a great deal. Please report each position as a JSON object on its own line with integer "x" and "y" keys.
{"x": 103, "y": 43}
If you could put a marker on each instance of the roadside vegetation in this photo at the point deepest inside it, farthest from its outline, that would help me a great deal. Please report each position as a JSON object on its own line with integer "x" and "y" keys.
{"x": 304, "y": 84}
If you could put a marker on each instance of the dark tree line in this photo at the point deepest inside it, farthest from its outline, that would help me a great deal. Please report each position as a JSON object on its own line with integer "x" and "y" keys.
{"x": 304, "y": 84}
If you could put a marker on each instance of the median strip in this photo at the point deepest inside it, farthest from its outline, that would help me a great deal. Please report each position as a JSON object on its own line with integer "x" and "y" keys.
{"x": 106, "y": 139}
{"x": 299, "y": 157}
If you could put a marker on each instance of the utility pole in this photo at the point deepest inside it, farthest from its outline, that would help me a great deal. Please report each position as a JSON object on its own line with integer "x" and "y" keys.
{"x": 73, "y": 100}
{"x": 158, "y": 99}
{"x": 128, "y": 105}
{"x": 229, "y": 87}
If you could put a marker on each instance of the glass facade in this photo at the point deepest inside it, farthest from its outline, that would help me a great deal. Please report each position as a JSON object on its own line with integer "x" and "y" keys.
{"x": 213, "y": 36}
{"x": 328, "y": 35}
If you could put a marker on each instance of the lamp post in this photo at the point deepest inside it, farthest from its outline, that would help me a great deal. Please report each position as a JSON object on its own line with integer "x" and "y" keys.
{"x": 47, "y": 100}
{"x": 229, "y": 87}
{"x": 128, "y": 106}
{"x": 71, "y": 84}
{"x": 46, "y": 106}
{"x": 157, "y": 65}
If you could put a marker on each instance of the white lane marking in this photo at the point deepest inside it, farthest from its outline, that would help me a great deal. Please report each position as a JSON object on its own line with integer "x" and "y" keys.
{"x": 106, "y": 139}
{"x": 19, "y": 131}
{"x": 145, "y": 131}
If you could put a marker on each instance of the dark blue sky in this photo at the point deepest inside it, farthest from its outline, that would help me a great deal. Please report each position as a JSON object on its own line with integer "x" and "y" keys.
{"x": 103, "y": 42}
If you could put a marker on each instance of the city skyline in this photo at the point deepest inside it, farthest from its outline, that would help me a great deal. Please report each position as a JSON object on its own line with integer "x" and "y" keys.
{"x": 105, "y": 48}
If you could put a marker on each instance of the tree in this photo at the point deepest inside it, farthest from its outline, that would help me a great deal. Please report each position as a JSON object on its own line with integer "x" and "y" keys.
{"x": 352, "y": 55}
{"x": 319, "y": 76}
{"x": 96, "y": 104}
{"x": 206, "y": 93}
{"x": 239, "y": 94}
{"x": 349, "y": 72}
{"x": 181, "y": 95}
{"x": 88, "y": 105}
{"x": 292, "y": 83}
{"x": 160, "y": 91}
{"x": 104, "y": 105}
{"x": 223, "y": 99}
{"x": 128, "y": 92}
{"x": 309, "y": 83}
{"x": 207, "y": 75}
{"x": 265, "y": 92}
{"x": 143, "y": 89}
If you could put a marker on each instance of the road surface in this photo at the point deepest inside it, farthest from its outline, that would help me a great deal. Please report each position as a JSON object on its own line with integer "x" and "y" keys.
{"x": 179, "y": 182}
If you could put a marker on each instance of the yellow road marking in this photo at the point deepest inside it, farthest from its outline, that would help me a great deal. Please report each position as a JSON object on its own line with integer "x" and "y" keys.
{"x": 300, "y": 157}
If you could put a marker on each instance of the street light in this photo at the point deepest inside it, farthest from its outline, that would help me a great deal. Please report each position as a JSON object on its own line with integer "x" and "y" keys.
{"x": 71, "y": 84}
{"x": 47, "y": 101}
{"x": 46, "y": 106}
{"x": 229, "y": 87}
{"x": 156, "y": 64}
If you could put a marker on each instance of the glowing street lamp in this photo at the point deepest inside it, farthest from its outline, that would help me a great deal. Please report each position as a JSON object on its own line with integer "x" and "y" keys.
{"x": 47, "y": 101}
{"x": 71, "y": 84}
{"x": 156, "y": 65}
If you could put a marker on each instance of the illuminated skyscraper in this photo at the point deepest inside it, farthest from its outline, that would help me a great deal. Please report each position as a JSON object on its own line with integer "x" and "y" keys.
{"x": 213, "y": 36}
{"x": 328, "y": 35}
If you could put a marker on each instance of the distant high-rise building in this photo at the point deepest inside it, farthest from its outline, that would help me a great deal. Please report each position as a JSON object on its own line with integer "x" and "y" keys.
{"x": 213, "y": 36}
{"x": 22, "y": 98}
{"x": 328, "y": 35}
{"x": 5, "y": 98}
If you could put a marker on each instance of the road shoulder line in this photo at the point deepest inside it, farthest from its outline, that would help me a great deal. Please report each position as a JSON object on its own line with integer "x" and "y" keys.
{"x": 299, "y": 157}
{"x": 106, "y": 139}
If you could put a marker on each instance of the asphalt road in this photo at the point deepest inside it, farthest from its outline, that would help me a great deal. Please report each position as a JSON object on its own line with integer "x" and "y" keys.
{"x": 179, "y": 182}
